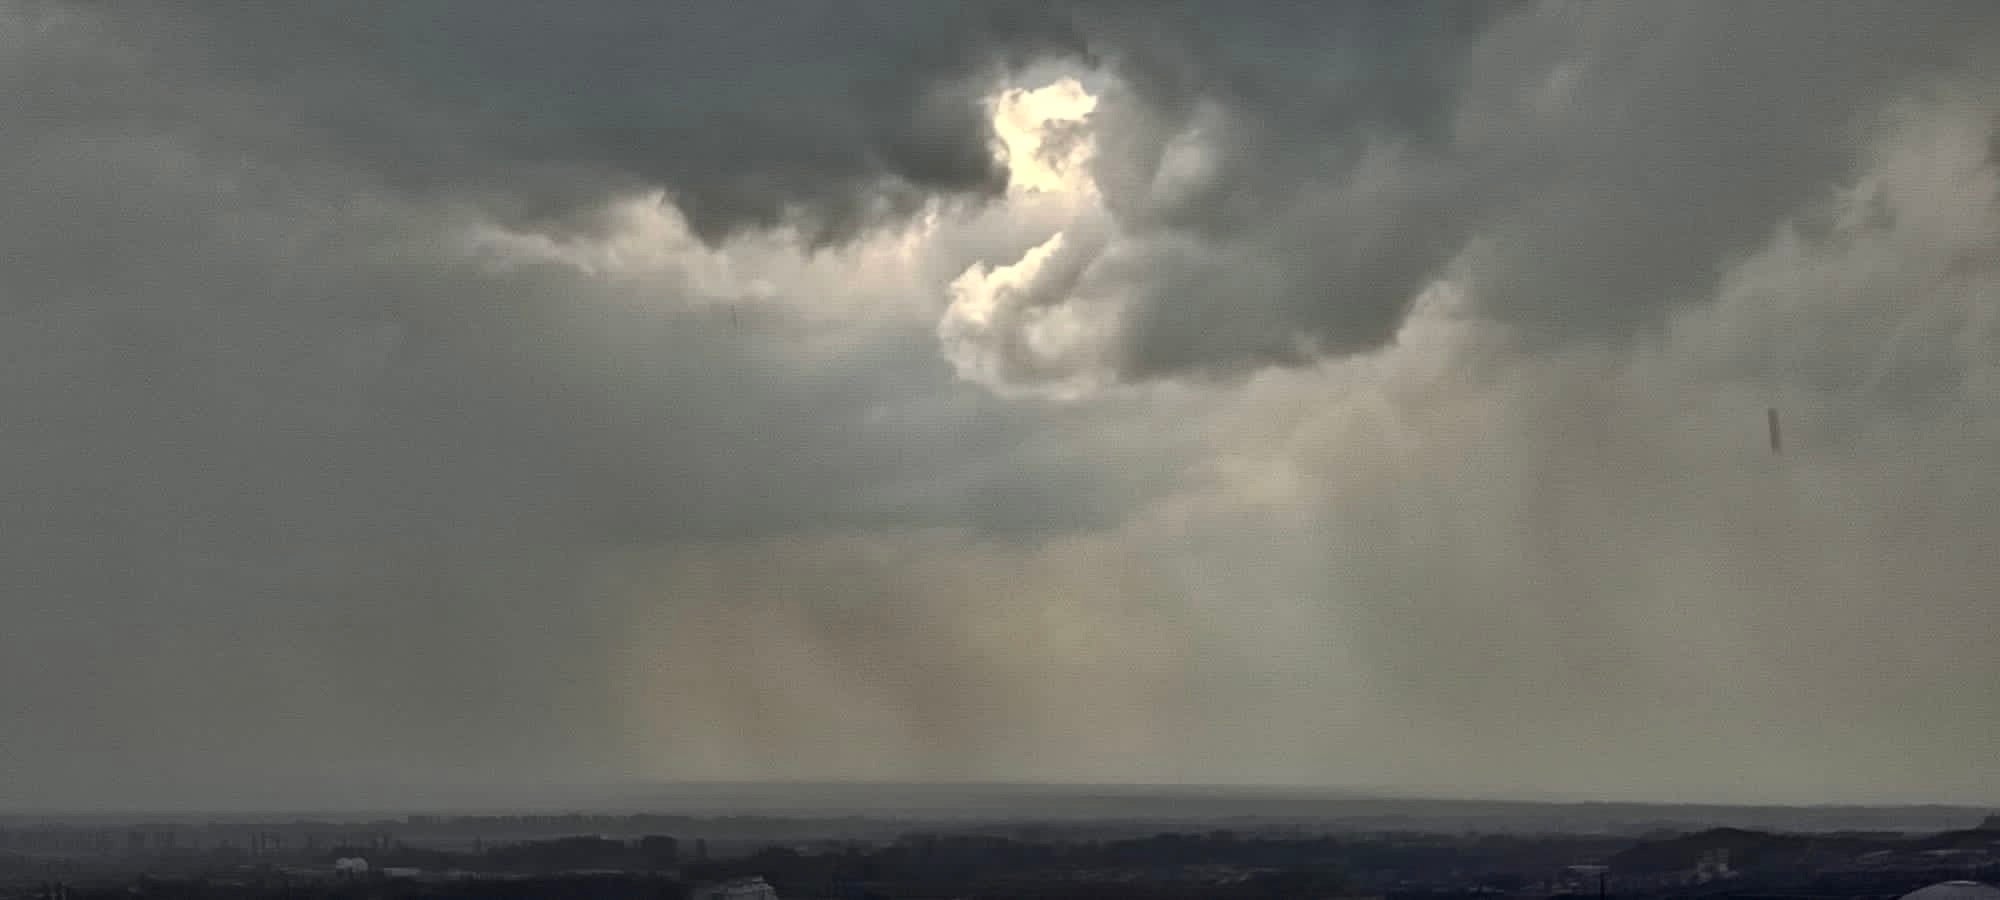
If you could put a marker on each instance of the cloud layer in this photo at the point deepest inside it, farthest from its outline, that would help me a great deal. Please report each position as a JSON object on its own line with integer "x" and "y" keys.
{"x": 1280, "y": 187}
{"x": 1373, "y": 395}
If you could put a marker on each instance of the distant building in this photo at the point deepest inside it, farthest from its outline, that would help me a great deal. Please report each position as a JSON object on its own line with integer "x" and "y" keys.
{"x": 740, "y": 889}
{"x": 1713, "y": 866}
{"x": 1583, "y": 879}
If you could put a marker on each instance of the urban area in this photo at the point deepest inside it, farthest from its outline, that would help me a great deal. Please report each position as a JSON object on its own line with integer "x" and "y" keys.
{"x": 607, "y": 857}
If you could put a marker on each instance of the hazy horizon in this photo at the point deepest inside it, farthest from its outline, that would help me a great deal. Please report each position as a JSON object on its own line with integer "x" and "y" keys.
{"x": 972, "y": 800}
{"x": 461, "y": 398}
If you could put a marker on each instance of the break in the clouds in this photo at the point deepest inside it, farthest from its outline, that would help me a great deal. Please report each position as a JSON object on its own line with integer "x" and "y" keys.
{"x": 1362, "y": 394}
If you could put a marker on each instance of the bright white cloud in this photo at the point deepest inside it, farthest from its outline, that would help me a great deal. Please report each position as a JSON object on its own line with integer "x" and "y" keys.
{"x": 1047, "y": 149}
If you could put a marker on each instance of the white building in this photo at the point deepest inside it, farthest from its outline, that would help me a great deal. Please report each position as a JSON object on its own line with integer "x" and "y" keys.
{"x": 738, "y": 889}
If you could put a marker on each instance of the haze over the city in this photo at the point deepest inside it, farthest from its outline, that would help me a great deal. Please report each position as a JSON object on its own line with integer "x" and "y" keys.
{"x": 435, "y": 396}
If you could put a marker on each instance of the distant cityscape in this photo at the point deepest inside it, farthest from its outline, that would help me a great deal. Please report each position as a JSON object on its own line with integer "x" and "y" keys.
{"x": 859, "y": 856}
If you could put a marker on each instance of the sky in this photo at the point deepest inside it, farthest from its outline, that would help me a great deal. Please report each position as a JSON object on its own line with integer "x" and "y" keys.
{"x": 1368, "y": 395}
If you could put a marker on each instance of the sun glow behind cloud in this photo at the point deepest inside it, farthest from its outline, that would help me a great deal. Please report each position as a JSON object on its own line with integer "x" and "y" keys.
{"x": 1041, "y": 131}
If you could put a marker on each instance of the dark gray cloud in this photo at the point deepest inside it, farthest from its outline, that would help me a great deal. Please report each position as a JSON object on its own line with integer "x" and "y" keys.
{"x": 825, "y": 117}
{"x": 1286, "y": 183}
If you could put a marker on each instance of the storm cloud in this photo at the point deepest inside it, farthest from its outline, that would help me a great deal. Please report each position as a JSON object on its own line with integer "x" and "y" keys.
{"x": 1281, "y": 187}
{"x": 1360, "y": 394}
